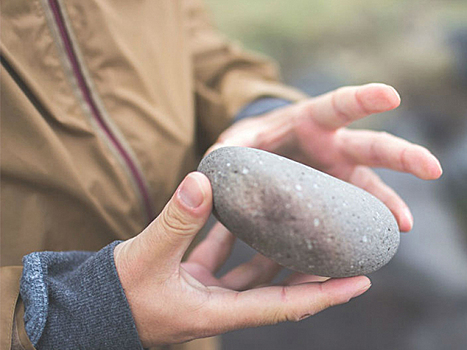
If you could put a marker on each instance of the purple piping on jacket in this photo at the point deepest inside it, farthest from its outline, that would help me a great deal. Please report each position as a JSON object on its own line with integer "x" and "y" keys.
{"x": 95, "y": 111}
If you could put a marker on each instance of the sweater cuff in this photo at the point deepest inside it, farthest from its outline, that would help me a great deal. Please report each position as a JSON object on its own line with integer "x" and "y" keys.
{"x": 261, "y": 106}
{"x": 74, "y": 300}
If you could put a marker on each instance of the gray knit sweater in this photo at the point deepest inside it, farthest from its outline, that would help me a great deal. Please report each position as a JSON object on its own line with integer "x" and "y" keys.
{"x": 74, "y": 300}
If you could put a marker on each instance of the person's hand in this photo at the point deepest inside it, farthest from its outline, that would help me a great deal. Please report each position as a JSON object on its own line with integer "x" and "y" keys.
{"x": 313, "y": 132}
{"x": 173, "y": 302}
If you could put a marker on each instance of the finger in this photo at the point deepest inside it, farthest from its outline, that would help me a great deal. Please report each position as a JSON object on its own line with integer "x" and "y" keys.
{"x": 165, "y": 240}
{"x": 380, "y": 149}
{"x": 214, "y": 250}
{"x": 300, "y": 278}
{"x": 367, "y": 179}
{"x": 270, "y": 305}
{"x": 258, "y": 270}
{"x": 345, "y": 105}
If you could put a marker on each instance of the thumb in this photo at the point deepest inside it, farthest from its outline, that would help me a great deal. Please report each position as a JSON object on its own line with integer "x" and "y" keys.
{"x": 167, "y": 238}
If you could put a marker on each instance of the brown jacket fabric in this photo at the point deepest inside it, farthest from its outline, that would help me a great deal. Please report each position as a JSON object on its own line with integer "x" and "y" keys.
{"x": 105, "y": 106}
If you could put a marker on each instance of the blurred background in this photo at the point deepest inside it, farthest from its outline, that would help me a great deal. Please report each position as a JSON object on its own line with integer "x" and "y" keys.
{"x": 419, "y": 300}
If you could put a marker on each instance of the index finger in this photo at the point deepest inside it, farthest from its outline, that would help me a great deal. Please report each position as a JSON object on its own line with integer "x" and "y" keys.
{"x": 270, "y": 305}
{"x": 343, "y": 106}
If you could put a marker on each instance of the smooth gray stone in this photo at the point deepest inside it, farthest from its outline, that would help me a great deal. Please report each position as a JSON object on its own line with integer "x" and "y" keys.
{"x": 300, "y": 217}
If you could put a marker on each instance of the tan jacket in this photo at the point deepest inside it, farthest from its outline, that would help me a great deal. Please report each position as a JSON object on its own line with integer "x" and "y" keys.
{"x": 105, "y": 106}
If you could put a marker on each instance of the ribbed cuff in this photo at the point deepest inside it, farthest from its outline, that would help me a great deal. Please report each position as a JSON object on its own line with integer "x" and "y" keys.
{"x": 74, "y": 300}
{"x": 261, "y": 106}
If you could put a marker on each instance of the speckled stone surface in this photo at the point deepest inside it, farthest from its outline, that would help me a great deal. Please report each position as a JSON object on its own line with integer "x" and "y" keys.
{"x": 302, "y": 218}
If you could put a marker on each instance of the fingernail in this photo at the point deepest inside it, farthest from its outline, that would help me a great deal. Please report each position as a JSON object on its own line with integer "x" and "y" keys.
{"x": 396, "y": 93}
{"x": 361, "y": 291}
{"x": 304, "y": 316}
{"x": 439, "y": 170}
{"x": 408, "y": 216}
{"x": 190, "y": 191}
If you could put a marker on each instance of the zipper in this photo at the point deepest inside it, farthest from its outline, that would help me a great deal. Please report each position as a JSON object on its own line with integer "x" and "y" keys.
{"x": 134, "y": 171}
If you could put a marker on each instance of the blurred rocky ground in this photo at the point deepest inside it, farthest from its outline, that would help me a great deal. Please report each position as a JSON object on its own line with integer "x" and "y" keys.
{"x": 419, "y": 300}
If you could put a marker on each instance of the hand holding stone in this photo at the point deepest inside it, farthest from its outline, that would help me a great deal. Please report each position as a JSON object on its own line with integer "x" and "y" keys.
{"x": 173, "y": 302}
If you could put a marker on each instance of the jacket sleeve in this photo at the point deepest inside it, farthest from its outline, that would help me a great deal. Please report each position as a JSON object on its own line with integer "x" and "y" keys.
{"x": 227, "y": 78}
{"x": 12, "y": 332}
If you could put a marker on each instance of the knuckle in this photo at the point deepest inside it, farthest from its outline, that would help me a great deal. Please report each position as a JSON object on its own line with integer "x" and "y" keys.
{"x": 285, "y": 294}
{"x": 294, "y": 317}
{"x": 325, "y": 300}
{"x": 360, "y": 103}
{"x": 290, "y": 316}
{"x": 403, "y": 159}
{"x": 307, "y": 109}
{"x": 342, "y": 115}
{"x": 176, "y": 222}
{"x": 279, "y": 316}
{"x": 375, "y": 157}
{"x": 282, "y": 313}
